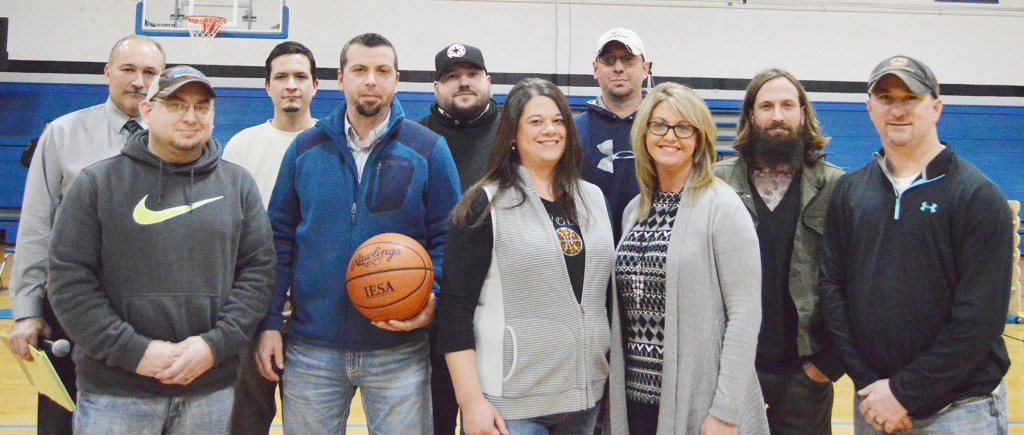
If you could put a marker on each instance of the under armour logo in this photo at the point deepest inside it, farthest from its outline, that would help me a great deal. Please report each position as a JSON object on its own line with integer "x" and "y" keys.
{"x": 932, "y": 208}
{"x": 606, "y": 148}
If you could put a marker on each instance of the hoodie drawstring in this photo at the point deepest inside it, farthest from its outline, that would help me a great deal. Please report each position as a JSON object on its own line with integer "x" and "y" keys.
{"x": 160, "y": 183}
{"x": 191, "y": 182}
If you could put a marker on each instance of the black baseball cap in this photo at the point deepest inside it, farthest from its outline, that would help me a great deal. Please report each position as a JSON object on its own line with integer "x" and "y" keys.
{"x": 457, "y": 53}
{"x": 915, "y": 74}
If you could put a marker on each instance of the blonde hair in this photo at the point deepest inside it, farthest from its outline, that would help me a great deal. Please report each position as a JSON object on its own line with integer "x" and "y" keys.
{"x": 688, "y": 104}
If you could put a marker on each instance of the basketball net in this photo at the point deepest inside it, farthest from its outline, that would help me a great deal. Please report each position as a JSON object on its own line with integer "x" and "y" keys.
{"x": 201, "y": 31}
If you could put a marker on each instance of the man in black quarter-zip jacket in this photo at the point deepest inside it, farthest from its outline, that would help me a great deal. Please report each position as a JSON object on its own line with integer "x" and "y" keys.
{"x": 915, "y": 271}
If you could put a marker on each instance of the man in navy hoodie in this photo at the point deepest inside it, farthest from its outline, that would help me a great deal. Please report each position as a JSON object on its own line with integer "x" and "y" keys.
{"x": 620, "y": 67}
{"x": 160, "y": 271}
{"x": 361, "y": 171}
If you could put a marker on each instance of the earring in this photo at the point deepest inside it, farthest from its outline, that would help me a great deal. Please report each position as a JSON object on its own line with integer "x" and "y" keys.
{"x": 513, "y": 144}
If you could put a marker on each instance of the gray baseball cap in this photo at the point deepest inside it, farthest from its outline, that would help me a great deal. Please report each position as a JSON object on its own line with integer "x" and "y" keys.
{"x": 915, "y": 74}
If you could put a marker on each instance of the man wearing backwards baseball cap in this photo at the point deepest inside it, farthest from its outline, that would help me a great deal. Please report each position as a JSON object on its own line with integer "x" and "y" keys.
{"x": 620, "y": 67}
{"x": 163, "y": 270}
{"x": 914, "y": 274}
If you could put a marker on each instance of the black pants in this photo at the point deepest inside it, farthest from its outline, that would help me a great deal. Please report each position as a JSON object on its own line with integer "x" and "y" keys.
{"x": 442, "y": 392}
{"x": 642, "y": 417}
{"x": 52, "y": 418}
{"x": 796, "y": 404}
{"x": 254, "y": 408}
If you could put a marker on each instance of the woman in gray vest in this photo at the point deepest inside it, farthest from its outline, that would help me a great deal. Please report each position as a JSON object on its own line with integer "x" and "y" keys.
{"x": 522, "y": 318}
{"x": 687, "y": 295}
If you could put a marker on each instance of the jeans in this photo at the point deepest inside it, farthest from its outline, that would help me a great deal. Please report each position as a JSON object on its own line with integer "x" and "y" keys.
{"x": 569, "y": 423}
{"x": 973, "y": 415}
{"x": 796, "y": 404}
{"x": 319, "y": 384}
{"x": 102, "y": 414}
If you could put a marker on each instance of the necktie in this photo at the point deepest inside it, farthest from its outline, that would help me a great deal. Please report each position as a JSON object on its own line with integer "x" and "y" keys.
{"x": 132, "y": 126}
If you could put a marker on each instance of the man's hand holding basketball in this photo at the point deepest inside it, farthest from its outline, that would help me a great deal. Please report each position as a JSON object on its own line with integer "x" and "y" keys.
{"x": 196, "y": 358}
{"x": 270, "y": 354}
{"x": 425, "y": 316}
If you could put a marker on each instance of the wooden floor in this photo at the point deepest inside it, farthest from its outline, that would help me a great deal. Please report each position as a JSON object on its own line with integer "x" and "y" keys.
{"x": 18, "y": 399}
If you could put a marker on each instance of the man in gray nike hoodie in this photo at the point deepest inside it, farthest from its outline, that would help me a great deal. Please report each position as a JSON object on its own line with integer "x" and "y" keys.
{"x": 161, "y": 266}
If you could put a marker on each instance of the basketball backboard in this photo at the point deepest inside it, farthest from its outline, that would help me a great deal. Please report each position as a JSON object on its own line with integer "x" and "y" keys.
{"x": 245, "y": 18}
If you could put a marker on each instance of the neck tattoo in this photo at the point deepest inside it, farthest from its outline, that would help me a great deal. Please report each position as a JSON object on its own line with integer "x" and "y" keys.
{"x": 771, "y": 185}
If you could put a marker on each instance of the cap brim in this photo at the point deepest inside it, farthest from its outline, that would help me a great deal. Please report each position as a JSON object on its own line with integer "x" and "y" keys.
{"x": 632, "y": 48}
{"x": 448, "y": 66}
{"x": 916, "y": 86}
{"x": 168, "y": 91}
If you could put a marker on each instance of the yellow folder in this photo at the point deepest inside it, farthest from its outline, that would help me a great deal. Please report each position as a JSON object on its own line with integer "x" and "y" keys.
{"x": 41, "y": 374}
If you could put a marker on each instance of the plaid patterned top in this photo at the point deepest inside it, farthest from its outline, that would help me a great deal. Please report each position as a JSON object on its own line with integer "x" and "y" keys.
{"x": 640, "y": 278}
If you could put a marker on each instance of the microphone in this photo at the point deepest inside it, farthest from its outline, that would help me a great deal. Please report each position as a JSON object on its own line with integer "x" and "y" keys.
{"x": 58, "y": 348}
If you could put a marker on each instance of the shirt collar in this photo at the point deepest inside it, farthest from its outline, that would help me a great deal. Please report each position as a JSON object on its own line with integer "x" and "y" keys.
{"x": 353, "y": 138}
{"x": 117, "y": 118}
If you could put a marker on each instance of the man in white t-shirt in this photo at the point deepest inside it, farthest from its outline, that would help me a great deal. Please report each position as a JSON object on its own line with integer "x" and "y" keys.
{"x": 291, "y": 83}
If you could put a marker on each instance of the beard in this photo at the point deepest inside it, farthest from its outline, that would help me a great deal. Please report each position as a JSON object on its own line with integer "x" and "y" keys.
{"x": 292, "y": 108}
{"x": 467, "y": 113}
{"x": 774, "y": 151}
{"x": 367, "y": 110}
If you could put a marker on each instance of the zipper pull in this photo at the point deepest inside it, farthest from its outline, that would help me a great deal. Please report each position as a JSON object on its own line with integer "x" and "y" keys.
{"x": 353, "y": 212}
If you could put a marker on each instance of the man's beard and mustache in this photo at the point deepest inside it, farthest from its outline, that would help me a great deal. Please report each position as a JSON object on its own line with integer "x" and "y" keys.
{"x": 776, "y": 151}
{"x": 469, "y": 113}
{"x": 368, "y": 111}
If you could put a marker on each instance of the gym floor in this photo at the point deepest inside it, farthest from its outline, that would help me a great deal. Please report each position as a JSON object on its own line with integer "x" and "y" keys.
{"x": 18, "y": 398}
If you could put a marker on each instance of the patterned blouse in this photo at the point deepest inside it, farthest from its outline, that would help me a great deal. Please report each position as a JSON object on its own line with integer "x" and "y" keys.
{"x": 640, "y": 279}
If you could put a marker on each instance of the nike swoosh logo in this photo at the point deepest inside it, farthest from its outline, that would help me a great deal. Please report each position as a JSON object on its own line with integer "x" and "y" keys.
{"x": 145, "y": 216}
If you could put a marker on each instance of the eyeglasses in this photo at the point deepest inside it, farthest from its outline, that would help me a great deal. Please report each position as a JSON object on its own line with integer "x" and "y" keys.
{"x": 610, "y": 59}
{"x": 682, "y": 131}
{"x": 180, "y": 108}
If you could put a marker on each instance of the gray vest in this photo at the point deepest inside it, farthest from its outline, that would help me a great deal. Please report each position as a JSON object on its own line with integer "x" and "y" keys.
{"x": 539, "y": 352}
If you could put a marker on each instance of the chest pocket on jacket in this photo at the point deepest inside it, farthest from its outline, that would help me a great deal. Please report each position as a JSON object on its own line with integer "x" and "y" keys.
{"x": 389, "y": 184}
{"x": 816, "y": 222}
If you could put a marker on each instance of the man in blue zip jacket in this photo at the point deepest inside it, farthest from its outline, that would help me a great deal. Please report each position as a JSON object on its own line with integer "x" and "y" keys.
{"x": 915, "y": 271}
{"x": 361, "y": 171}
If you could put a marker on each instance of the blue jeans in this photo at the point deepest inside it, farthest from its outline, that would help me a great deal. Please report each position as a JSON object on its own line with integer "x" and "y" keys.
{"x": 319, "y": 384}
{"x": 102, "y": 414}
{"x": 974, "y": 415}
{"x": 569, "y": 423}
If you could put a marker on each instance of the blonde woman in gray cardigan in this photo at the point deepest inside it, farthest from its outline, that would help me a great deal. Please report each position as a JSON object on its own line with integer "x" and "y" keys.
{"x": 687, "y": 294}
{"x": 522, "y": 319}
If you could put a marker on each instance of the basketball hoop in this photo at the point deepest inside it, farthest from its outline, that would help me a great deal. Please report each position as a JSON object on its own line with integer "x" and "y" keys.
{"x": 201, "y": 31}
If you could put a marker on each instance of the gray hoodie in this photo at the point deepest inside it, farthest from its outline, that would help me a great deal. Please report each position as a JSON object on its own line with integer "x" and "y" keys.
{"x": 145, "y": 250}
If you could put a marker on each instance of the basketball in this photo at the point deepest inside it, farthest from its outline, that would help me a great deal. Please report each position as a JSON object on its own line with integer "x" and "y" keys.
{"x": 389, "y": 277}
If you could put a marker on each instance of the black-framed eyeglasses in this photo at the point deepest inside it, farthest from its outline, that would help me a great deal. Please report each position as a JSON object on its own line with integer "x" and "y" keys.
{"x": 610, "y": 59}
{"x": 682, "y": 131}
